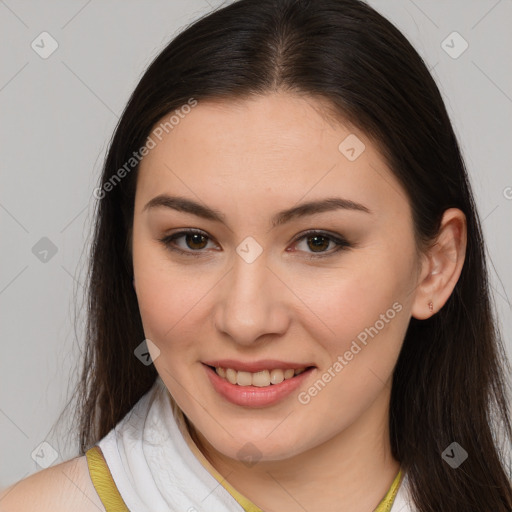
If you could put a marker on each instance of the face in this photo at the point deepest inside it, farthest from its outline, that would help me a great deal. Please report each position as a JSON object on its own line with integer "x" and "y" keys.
{"x": 329, "y": 288}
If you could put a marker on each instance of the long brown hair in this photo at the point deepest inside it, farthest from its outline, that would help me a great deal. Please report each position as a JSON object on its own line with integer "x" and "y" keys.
{"x": 449, "y": 381}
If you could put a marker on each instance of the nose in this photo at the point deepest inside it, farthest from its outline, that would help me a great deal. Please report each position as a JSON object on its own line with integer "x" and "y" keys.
{"x": 251, "y": 303}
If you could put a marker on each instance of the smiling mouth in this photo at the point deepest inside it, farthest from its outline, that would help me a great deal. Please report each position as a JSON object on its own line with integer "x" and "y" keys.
{"x": 259, "y": 379}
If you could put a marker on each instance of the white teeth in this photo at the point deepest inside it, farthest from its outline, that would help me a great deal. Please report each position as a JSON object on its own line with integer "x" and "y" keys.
{"x": 259, "y": 379}
{"x": 231, "y": 375}
{"x": 289, "y": 373}
{"x": 243, "y": 378}
{"x": 276, "y": 376}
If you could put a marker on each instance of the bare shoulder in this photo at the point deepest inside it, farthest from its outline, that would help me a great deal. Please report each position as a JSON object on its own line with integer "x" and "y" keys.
{"x": 63, "y": 487}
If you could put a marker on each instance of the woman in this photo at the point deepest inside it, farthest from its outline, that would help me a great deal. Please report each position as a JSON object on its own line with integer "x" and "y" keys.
{"x": 288, "y": 299}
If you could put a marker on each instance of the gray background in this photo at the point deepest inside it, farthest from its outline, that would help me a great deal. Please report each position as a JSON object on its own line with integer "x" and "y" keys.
{"x": 57, "y": 115}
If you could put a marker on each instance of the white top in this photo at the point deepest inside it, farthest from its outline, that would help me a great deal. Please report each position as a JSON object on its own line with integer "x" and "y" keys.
{"x": 155, "y": 470}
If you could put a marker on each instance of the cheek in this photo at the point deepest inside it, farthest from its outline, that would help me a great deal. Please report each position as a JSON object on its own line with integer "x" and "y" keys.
{"x": 366, "y": 303}
{"x": 367, "y": 316}
{"x": 165, "y": 307}
{"x": 346, "y": 303}
{"x": 173, "y": 300}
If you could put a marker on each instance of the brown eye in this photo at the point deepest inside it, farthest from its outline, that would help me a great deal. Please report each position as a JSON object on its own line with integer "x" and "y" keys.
{"x": 194, "y": 240}
{"x": 317, "y": 243}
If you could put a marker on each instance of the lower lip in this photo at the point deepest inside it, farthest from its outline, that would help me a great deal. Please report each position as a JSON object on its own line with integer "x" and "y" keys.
{"x": 253, "y": 396}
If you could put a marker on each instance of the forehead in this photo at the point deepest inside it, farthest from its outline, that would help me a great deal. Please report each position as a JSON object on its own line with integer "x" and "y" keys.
{"x": 274, "y": 149}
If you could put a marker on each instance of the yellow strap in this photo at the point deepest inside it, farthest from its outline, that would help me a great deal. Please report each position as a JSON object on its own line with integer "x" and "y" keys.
{"x": 248, "y": 506}
{"x": 103, "y": 481}
{"x": 113, "y": 502}
{"x": 386, "y": 504}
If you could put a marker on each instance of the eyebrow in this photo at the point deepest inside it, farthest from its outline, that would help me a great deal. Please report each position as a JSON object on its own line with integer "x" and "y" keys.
{"x": 183, "y": 204}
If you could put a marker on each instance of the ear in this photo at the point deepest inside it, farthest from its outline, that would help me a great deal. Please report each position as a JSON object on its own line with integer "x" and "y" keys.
{"x": 442, "y": 265}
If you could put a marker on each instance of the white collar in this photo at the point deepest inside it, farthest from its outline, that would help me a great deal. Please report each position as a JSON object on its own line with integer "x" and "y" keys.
{"x": 152, "y": 465}
{"x": 402, "y": 502}
{"x": 155, "y": 470}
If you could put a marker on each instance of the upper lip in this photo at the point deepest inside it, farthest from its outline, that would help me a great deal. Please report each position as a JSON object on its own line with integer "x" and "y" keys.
{"x": 255, "y": 366}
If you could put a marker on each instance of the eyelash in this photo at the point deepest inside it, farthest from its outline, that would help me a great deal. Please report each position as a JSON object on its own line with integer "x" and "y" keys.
{"x": 340, "y": 242}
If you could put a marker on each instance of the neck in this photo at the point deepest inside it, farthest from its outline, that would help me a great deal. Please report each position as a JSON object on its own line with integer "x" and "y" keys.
{"x": 350, "y": 472}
